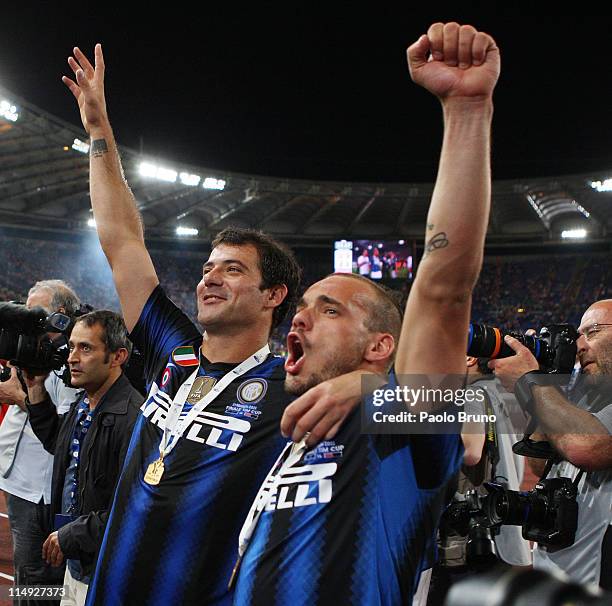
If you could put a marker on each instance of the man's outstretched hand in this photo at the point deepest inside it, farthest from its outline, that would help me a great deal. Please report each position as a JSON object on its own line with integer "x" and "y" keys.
{"x": 454, "y": 60}
{"x": 88, "y": 88}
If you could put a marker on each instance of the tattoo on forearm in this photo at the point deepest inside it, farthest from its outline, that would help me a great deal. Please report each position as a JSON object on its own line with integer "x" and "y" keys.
{"x": 438, "y": 241}
{"x": 99, "y": 147}
{"x": 430, "y": 226}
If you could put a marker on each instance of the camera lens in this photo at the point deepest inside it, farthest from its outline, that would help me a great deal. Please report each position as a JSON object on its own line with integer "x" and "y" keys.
{"x": 488, "y": 342}
{"x": 480, "y": 548}
{"x": 503, "y": 506}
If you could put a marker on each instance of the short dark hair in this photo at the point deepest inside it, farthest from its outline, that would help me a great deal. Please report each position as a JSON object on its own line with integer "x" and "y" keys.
{"x": 385, "y": 309}
{"x": 113, "y": 327}
{"x": 277, "y": 264}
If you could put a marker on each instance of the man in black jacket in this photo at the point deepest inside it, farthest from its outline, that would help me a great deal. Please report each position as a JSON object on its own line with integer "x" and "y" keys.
{"x": 89, "y": 443}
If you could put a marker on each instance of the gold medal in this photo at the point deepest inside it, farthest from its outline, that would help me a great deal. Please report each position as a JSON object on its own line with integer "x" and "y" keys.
{"x": 201, "y": 386}
{"x": 155, "y": 471}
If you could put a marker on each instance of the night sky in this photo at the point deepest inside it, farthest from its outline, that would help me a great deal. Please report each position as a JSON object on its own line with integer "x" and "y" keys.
{"x": 315, "y": 92}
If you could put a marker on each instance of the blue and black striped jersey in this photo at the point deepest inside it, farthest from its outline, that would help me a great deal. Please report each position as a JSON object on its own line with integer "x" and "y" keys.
{"x": 175, "y": 543}
{"x": 351, "y": 523}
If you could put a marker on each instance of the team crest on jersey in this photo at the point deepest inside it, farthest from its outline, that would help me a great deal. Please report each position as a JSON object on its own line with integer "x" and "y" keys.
{"x": 185, "y": 356}
{"x": 252, "y": 391}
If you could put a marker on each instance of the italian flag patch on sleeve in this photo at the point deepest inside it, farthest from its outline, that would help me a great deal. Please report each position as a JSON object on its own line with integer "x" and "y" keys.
{"x": 185, "y": 356}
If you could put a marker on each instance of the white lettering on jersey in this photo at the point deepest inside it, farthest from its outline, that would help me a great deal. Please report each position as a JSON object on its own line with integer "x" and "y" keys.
{"x": 227, "y": 432}
{"x": 312, "y": 485}
{"x": 232, "y": 428}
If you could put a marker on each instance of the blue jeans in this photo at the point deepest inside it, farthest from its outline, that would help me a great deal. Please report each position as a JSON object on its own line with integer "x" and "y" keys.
{"x": 29, "y": 528}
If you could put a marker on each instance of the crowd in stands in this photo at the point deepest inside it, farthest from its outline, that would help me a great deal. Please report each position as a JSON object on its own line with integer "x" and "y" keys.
{"x": 517, "y": 293}
{"x": 513, "y": 293}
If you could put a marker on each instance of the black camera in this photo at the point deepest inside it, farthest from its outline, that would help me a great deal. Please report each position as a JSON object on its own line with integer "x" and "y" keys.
{"x": 466, "y": 519}
{"x": 554, "y": 347}
{"x": 548, "y": 514}
{"x": 24, "y": 341}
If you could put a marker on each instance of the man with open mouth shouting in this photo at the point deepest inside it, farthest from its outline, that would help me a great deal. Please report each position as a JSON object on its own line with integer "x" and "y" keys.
{"x": 352, "y": 520}
{"x": 209, "y": 428}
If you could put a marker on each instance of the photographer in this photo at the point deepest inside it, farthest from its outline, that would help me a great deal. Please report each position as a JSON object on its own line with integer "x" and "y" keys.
{"x": 89, "y": 441}
{"x": 25, "y": 466}
{"x": 506, "y": 467}
{"x": 580, "y": 433}
{"x": 465, "y": 544}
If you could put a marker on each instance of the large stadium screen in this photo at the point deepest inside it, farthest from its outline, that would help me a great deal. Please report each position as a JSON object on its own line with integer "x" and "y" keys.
{"x": 375, "y": 259}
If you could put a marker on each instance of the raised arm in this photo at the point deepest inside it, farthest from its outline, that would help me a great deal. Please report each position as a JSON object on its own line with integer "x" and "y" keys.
{"x": 117, "y": 219}
{"x": 460, "y": 66}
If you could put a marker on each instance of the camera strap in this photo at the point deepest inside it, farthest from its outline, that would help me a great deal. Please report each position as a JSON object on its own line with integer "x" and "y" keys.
{"x": 578, "y": 478}
{"x": 22, "y": 380}
{"x": 547, "y": 468}
{"x": 491, "y": 442}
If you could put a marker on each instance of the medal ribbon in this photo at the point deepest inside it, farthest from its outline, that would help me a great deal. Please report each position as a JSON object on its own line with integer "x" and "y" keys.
{"x": 296, "y": 450}
{"x": 174, "y": 429}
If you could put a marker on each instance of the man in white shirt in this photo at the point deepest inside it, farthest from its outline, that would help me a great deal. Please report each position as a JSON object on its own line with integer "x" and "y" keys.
{"x": 363, "y": 263}
{"x": 26, "y": 467}
{"x": 579, "y": 429}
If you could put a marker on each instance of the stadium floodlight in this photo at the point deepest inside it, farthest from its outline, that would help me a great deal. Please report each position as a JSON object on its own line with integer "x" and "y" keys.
{"x": 91, "y": 222}
{"x": 80, "y": 146}
{"x": 157, "y": 172}
{"x": 167, "y": 174}
{"x": 573, "y": 233}
{"x": 186, "y": 231}
{"x": 192, "y": 180}
{"x": 8, "y": 111}
{"x": 605, "y": 185}
{"x": 212, "y": 183}
{"x": 147, "y": 170}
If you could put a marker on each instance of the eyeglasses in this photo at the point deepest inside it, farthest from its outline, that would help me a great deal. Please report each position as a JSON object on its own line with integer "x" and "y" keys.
{"x": 590, "y": 331}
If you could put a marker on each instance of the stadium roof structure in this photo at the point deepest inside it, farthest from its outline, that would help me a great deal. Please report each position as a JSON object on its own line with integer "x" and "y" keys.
{"x": 44, "y": 171}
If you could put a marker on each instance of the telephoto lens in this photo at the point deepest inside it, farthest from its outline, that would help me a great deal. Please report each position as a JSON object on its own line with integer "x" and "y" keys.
{"x": 554, "y": 347}
{"x": 488, "y": 342}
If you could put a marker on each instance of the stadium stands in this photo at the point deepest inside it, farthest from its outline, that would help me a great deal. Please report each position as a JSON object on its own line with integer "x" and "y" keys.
{"x": 512, "y": 293}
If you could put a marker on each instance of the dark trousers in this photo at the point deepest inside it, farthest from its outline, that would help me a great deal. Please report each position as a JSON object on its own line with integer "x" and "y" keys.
{"x": 29, "y": 528}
